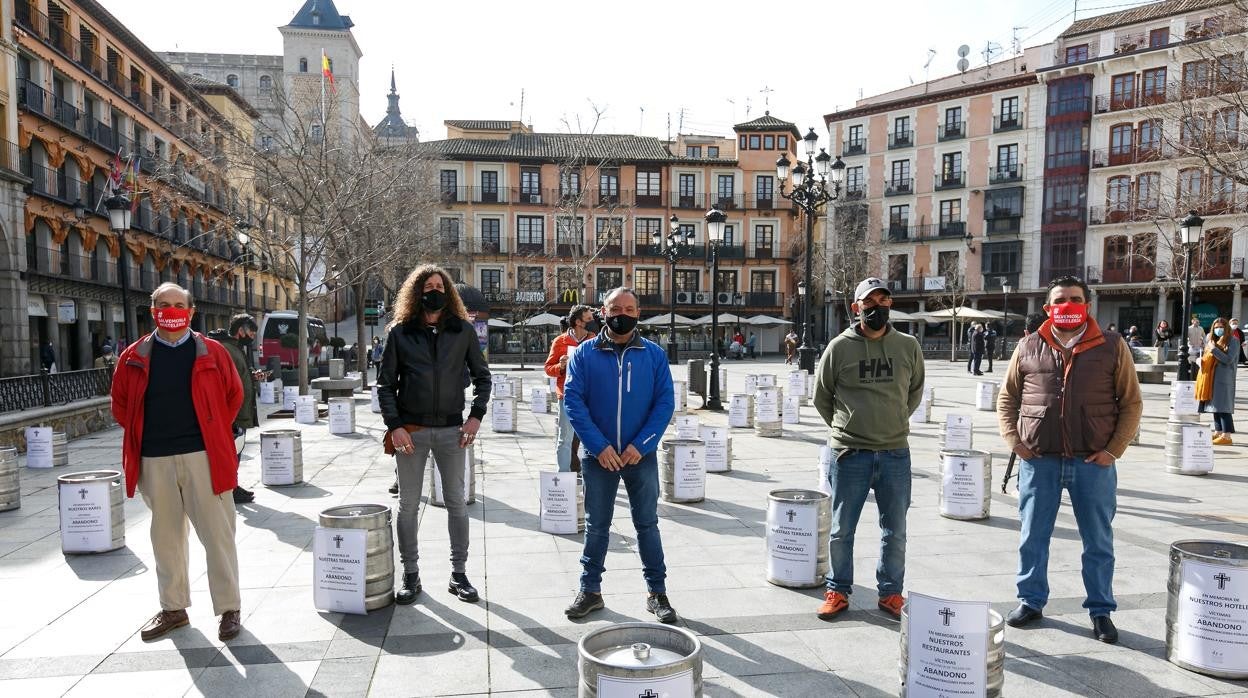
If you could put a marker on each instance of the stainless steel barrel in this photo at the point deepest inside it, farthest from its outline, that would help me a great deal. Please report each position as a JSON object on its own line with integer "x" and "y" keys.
{"x": 1175, "y": 462}
{"x": 1207, "y": 608}
{"x": 996, "y": 653}
{"x": 682, "y": 400}
{"x": 281, "y": 457}
{"x": 798, "y": 525}
{"x": 342, "y": 415}
{"x": 86, "y": 527}
{"x": 986, "y": 396}
{"x": 60, "y": 449}
{"x": 797, "y": 385}
{"x": 682, "y": 470}
{"x": 741, "y": 411}
{"x": 965, "y": 489}
{"x": 436, "y": 494}
{"x": 10, "y": 480}
{"x": 767, "y": 423}
{"x": 718, "y": 448}
{"x": 959, "y": 421}
{"x": 374, "y": 401}
{"x": 378, "y": 547}
{"x": 503, "y": 414}
{"x": 645, "y": 659}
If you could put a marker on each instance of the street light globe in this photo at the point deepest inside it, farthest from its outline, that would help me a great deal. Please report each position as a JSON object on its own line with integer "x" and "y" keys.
{"x": 1007, "y": 288}
{"x": 822, "y": 162}
{"x": 837, "y": 170}
{"x": 715, "y": 220}
{"x": 799, "y": 174}
{"x": 782, "y": 167}
{"x": 243, "y": 238}
{"x": 673, "y": 223}
{"x": 1189, "y": 228}
{"x": 811, "y": 140}
{"x": 118, "y": 213}
{"x": 801, "y": 289}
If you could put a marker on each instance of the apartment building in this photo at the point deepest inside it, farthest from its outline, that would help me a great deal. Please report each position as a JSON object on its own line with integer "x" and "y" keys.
{"x": 15, "y": 341}
{"x": 947, "y": 175}
{"x": 1136, "y": 97}
{"x": 89, "y": 91}
{"x": 526, "y": 212}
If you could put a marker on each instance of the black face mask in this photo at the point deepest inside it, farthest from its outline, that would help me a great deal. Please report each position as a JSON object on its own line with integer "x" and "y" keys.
{"x": 433, "y": 301}
{"x": 245, "y": 341}
{"x": 875, "y": 317}
{"x": 622, "y": 324}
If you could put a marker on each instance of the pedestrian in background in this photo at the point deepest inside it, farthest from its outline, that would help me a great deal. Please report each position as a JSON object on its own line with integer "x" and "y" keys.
{"x": 1238, "y": 334}
{"x": 1195, "y": 342}
{"x": 238, "y": 341}
{"x": 990, "y": 344}
{"x": 790, "y": 347}
{"x": 869, "y": 381}
{"x": 47, "y": 357}
{"x": 620, "y": 420}
{"x": 576, "y": 329}
{"x": 1215, "y": 384}
{"x": 175, "y": 394}
{"x": 978, "y": 344}
{"x": 751, "y": 343}
{"x": 1034, "y": 321}
{"x": 421, "y": 390}
{"x": 1163, "y": 335}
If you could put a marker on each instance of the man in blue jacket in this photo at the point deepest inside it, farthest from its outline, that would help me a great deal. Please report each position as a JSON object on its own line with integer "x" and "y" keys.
{"x": 619, "y": 400}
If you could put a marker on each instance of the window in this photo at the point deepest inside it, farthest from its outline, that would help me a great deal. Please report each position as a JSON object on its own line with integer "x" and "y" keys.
{"x": 1159, "y": 37}
{"x": 530, "y": 279}
{"x": 712, "y": 151}
{"x": 1003, "y": 203}
{"x": 1070, "y": 95}
{"x": 1148, "y": 191}
{"x": 1065, "y": 144}
{"x": 649, "y": 188}
{"x": 1192, "y": 131}
{"x": 567, "y": 279}
{"x": 1009, "y": 110}
{"x": 901, "y": 127}
{"x": 1122, "y": 91}
{"x": 898, "y": 266}
{"x": 764, "y": 240}
{"x": 1153, "y": 86}
{"x": 1117, "y": 199}
{"x": 491, "y": 235}
{"x": 1191, "y": 183}
{"x": 769, "y": 142}
{"x": 489, "y": 186}
{"x": 232, "y": 80}
{"x": 314, "y": 132}
{"x": 1002, "y": 257}
{"x": 1195, "y": 77}
{"x": 1230, "y": 69}
{"x": 1226, "y": 126}
{"x": 741, "y": 141}
{"x": 949, "y": 265}
{"x": 608, "y": 233}
{"x": 951, "y": 168}
{"x": 648, "y": 282}
{"x": 693, "y": 151}
{"x": 950, "y": 211}
{"x": 898, "y": 218}
{"x": 644, "y": 230}
{"x": 607, "y": 279}
{"x": 687, "y": 280}
{"x": 762, "y": 282}
{"x": 1121, "y": 139}
{"x": 569, "y": 233}
{"x": 764, "y": 189}
{"x": 266, "y": 83}
{"x": 530, "y": 185}
{"x": 854, "y": 179}
{"x": 569, "y": 183}
{"x": 901, "y": 173}
{"x": 530, "y": 232}
{"x": 448, "y": 230}
{"x": 754, "y": 142}
{"x": 1216, "y": 253}
{"x": 609, "y": 185}
{"x": 724, "y": 188}
{"x": 854, "y": 142}
{"x": 730, "y": 237}
{"x": 448, "y": 184}
{"x": 1148, "y": 135}
{"x": 782, "y": 142}
{"x": 726, "y": 281}
{"x": 1221, "y": 192}
{"x": 1007, "y": 161}
{"x": 1065, "y": 199}
{"x": 492, "y": 281}
{"x": 303, "y": 65}
{"x": 1074, "y": 54}
{"x": 953, "y": 122}
{"x": 686, "y": 191}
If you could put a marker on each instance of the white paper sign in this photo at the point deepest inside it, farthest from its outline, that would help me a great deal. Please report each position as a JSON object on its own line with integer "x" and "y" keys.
{"x": 674, "y": 686}
{"x": 986, "y": 396}
{"x": 86, "y": 517}
{"x": 1212, "y": 627}
{"x": 340, "y": 559}
{"x": 766, "y": 380}
{"x": 766, "y": 407}
{"x": 539, "y": 400}
{"x": 792, "y": 410}
{"x": 715, "y": 445}
{"x": 1197, "y": 450}
{"x": 962, "y": 485}
{"x": 739, "y": 411}
{"x": 558, "y": 512}
{"x": 375, "y": 402}
{"x": 957, "y": 432}
{"x": 502, "y": 388}
{"x": 341, "y": 417}
{"x": 792, "y": 542}
{"x": 38, "y": 447}
{"x": 1184, "y": 398}
{"x": 305, "y": 409}
{"x": 268, "y": 392}
{"x": 825, "y": 467}
{"x": 947, "y": 647}
{"x": 517, "y": 387}
{"x": 689, "y": 473}
{"x": 751, "y": 383}
{"x": 503, "y": 415}
{"x": 687, "y": 426}
{"x": 797, "y": 383}
{"x": 290, "y": 394}
{"x": 678, "y": 390}
{"x": 277, "y": 460}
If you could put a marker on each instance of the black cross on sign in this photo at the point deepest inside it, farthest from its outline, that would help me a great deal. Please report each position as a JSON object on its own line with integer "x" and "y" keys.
{"x": 946, "y": 613}
{"x": 337, "y": 541}
{"x": 83, "y": 493}
{"x": 790, "y": 513}
{"x": 1221, "y": 578}
{"x": 648, "y": 694}
{"x": 555, "y": 480}
{"x": 962, "y": 465}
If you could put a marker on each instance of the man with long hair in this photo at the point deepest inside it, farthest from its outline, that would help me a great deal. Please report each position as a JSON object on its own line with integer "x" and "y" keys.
{"x": 420, "y": 387}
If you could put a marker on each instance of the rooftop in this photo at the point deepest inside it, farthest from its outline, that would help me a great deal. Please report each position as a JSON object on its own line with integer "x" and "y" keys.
{"x": 1143, "y": 13}
{"x": 320, "y": 14}
{"x": 767, "y": 122}
{"x": 553, "y": 147}
{"x": 480, "y": 124}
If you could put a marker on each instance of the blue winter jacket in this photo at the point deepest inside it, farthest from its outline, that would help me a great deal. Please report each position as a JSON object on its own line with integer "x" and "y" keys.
{"x": 617, "y": 398}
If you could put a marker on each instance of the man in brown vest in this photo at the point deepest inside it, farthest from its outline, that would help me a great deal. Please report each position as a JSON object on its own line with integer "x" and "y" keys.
{"x": 1069, "y": 437}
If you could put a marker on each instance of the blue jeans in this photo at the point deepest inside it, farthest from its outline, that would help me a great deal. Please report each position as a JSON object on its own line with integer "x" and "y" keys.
{"x": 641, "y": 480}
{"x": 1093, "y": 496}
{"x": 563, "y": 440}
{"x": 854, "y": 473}
{"x": 1224, "y": 422}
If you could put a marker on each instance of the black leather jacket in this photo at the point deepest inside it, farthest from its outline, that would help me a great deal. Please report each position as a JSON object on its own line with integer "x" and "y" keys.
{"x": 423, "y": 372}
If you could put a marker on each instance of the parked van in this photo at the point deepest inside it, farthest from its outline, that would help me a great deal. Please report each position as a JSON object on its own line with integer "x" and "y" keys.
{"x": 281, "y": 322}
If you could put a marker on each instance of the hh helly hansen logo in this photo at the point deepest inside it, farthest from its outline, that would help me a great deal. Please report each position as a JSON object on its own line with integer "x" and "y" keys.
{"x": 875, "y": 371}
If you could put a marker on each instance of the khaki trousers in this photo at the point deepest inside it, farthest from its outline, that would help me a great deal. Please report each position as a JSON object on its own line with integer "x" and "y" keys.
{"x": 176, "y": 488}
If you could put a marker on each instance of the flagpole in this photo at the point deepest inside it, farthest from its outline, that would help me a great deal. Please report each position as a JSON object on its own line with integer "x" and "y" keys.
{"x": 322, "y": 93}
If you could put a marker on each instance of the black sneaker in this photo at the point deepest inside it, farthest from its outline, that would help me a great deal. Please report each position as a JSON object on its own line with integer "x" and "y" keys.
{"x": 411, "y": 588}
{"x": 242, "y": 496}
{"x": 662, "y": 610}
{"x": 461, "y": 587}
{"x": 394, "y": 489}
{"x": 586, "y": 603}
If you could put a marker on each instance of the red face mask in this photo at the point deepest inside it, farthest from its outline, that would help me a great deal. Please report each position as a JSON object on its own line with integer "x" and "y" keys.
{"x": 172, "y": 319}
{"x": 1068, "y": 316}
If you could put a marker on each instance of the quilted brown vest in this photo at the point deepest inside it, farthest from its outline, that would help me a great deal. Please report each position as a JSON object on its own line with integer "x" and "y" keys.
{"x": 1068, "y": 406}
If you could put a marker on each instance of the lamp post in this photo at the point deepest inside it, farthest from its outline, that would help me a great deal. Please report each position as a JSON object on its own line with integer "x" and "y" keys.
{"x": 243, "y": 239}
{"x": 119, "y": 222}
{"x": 673, "y": 246}
{"x": 715, "y": 220}
{"x": 810, "y": 191}
{"x": 333, "y": 287}
{"x": 1005, "y": 308}
{"x": 1189, "y": 236}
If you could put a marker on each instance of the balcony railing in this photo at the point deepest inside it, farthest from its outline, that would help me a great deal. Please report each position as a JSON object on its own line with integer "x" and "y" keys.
{"x": 1003, "y": 225}
{"x": 1127, "y": 212}
{"x": 854, "y": 147}
{"x": 764, "y": 202}
{"x": 946, "y": 229}
{"x": 487, "y": 195}
{"x": 1004, "y": 174}
{"x": 1010, "y": 121}
{"x": 950, "y": 180}
{"x": 33, "y": 97}
{"x": 951, "y": 131}
{"x": 727, "y": 201}
{"x": 1133, "y": 154}
{"x": 901, "y": 232}
{"x": 689, "y": 200}
{"x": 899, "y": 187}
{"x": 900, "y": 139}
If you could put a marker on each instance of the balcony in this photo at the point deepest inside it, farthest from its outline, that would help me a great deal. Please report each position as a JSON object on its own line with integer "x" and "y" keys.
{"x": 1005, "y": 174}
{"x": 763, "y": 252}
{"x": 1010, "y": 121}
{"x": 993, "y": 279}
{"x": 529, "y": 195}
{"x": 853, "y": 147}
{"x": 899, "y": 187}
{"x": 728, "y": 201}
{"x": 1126, "y": 212}
{"x": 900, "y": 139}
{"x": 646, "y": 249}
{"x": 855, "y": 192}
{"x": 947, "y": 229}
{"x": 762, "y": 202}
{"x": 951, "y": 131}
{"x": 1132, "y": 154}
{"x": 950, "y": 180}
{"x": 530, "y": 248}
{"x": 486, "y": 245}
{"x": 33, "y": 98}
{"x": 901, "y": 232}
{"x": 689, "y": 200}
{"x": 66, "y": 114}
{"x": 1123, "y": 271}
{"x": 452, "y": 195}
{"x": 1003, "y": 225}
{"x": 730, "y": 251}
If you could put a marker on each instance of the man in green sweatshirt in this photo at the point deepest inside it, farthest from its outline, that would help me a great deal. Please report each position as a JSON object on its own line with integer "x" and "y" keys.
{"x": 868, "y": 382}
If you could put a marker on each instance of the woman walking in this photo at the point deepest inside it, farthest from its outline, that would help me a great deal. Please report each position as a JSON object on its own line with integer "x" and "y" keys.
{"x": 430, "y": 347}
{"x": 1215, "y": 386}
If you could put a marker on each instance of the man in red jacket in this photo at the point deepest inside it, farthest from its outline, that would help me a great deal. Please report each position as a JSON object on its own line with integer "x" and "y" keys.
{"x": 175, "y": 394}
{"x": 576, "y": 330}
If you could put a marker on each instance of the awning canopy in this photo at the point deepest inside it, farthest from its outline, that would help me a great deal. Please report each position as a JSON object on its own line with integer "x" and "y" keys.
{"x": 540, "y": 320}
{"x": 499, "y": 324}
{"x": 767, "y": 320}
{"x": 665, "y": 319}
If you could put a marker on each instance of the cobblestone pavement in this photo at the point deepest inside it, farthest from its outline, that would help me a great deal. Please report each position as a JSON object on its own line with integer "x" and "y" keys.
{"x": 71, "y": 623}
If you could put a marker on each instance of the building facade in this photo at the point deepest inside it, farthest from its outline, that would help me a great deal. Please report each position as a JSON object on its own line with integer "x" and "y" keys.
{"x": 16, "y": 356}
{"x": 540, "y": 221}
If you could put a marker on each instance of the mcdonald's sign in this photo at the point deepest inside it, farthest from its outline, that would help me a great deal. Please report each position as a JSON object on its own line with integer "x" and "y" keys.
{"x": 570, "y": 295}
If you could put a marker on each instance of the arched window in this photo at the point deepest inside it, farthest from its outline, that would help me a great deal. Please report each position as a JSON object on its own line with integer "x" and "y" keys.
{"x": 266, "y": 82}
{"x": 1117, "y": 199}
{"x": 303, "y": 65}
{"x": 1215, "y": 249}
{"x": 1147, "y": 194}
{"x": 1121, "y": 140}
{"x": 1148, "y": 135}
{"x": 1191, "y": 186}
{"x": 1117, "y": 251}
{"x": 231, "y": 80}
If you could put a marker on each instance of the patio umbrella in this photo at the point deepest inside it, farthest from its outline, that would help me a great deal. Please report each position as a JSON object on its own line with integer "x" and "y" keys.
{"x": 724, "y": 318}
{"x": 499, "y": 324}
{"x": 963, "y": 313}
{"x": 765, "y": 320}
{"x": 666, "y": 318}
{"x": 902, "y": 316}
{"x": 540, "y": 320}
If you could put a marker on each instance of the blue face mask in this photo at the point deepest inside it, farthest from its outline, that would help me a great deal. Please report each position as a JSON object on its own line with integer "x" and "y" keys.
{"x": 1218, "y": 331}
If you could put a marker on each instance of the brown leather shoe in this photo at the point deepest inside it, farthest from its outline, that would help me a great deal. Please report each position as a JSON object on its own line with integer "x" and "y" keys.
{"x": 231, "y": 624}
{"x": 162, "y": 623}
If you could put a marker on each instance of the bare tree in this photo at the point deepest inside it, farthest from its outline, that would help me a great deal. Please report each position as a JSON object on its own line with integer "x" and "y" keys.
{"x": 952, "y": 296}
{"x": 848, "y": 256}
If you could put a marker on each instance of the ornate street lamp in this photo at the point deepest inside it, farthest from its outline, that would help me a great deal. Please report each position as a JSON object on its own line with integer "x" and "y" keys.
{"x": 243, "y": 239}
{"x": 119, "y": 222}
{"x": 1189, "y": 237}
{"x": 1005, "y": 308}
{"x": 673, "y": 246}
{"x": 814, "y": 183}
{"x": 715, "y": 220}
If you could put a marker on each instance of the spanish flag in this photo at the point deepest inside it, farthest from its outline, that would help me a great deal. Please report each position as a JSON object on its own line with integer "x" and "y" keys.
{"x": 327, "y": 68}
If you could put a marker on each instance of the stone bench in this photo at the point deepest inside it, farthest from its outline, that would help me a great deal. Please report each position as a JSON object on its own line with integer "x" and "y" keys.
{"x": 1151, "y": 373}
{"x": 335, "y": 387}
